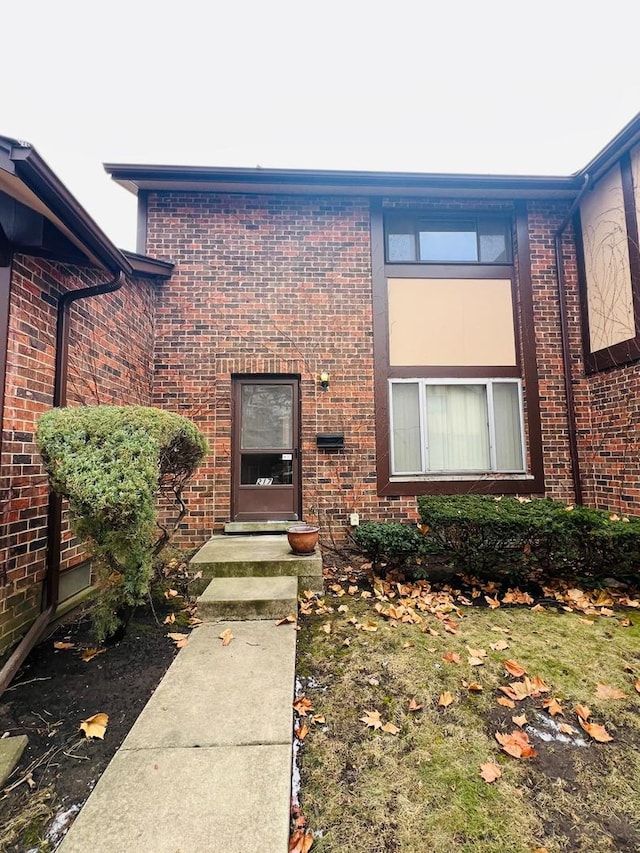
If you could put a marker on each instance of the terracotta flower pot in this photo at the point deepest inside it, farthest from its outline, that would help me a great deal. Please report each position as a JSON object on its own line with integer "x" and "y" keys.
{"x": 303, "y": 539}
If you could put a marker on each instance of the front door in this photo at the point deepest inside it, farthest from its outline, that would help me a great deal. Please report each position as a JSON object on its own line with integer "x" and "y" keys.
{"x": 266, "y": 455}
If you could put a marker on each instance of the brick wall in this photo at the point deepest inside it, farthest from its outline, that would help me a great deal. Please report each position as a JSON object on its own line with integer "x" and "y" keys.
{"x": 109, "y": 362}
{"x": 276, "y": 284}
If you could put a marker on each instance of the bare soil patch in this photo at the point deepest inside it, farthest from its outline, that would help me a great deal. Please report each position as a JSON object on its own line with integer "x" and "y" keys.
{"x": 53, "y": 692}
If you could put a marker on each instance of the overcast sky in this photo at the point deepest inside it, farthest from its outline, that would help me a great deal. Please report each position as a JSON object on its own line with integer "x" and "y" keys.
{"x": 496, "y": 87}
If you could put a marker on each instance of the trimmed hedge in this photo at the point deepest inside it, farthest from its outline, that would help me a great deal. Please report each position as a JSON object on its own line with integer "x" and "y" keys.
{"x": 110, "y": 462}
{"x": 490, "y": 536}
{"x": 507, "y": 538}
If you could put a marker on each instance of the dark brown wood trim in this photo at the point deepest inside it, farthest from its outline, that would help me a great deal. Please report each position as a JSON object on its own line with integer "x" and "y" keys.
{"x": 5, "y": 301}
{"x": 528, "y": 343}
{"x": 380, "y": 344}
{"x": 141, "y": 225}
{"x": 383, "y": 372}
{"x": 462, "y": 270}
{"x": 457, "y": 372}
{"x": 625, "y": 352}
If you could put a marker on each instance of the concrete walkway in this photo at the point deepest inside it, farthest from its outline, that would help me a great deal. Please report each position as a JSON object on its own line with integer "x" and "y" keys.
{"x": 207, "y": 766}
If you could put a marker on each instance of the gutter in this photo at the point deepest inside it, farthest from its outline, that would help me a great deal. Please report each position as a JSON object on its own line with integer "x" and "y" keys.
{"x": 23, "y": 161}
{"x": 566, "y": 352}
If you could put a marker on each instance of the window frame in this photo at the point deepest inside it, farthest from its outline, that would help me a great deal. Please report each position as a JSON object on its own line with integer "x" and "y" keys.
{"x": 428, "y": 473}
{"x": 624, "y": 352}
{"x": 414, "y": 218}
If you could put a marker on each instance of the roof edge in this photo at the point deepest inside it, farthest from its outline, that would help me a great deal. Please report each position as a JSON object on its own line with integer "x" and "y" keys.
{"x": 22, "y": 160}
{"x": 147, "y": 266}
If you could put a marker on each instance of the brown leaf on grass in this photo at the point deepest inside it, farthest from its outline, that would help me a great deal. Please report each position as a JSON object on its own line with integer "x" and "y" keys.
{"x": 514, "y": 668}
{"x": 414, "y": 705}
{"x": 318, "y": 719}
{"x": 553, "y": 707}
{"x": 520, "y": 720}
{"x": 407, "y": 645}
{"x": 451, "y": 657}
{"x": 583, "y": 711}
{"x": 566, "y": 729}
{"x": 605, "y": 691}
{"x": 343, "y": 608}
{"x": 538, "y": 608}
{"x": 474, "y": 687}
{"x": 506, "y": 703}
{"x": 490, "y": 772}
{"x": 370, "y": 626}
{"x": 597, "y": 732}
{"x": 539, "y": 685}
{"x": 500, "y": 646}
{"x": 303, "y": 706}
{"x": 637, "y": 684}
{"x": 226, "y": 637}
{"x": 346, "y": 642}
{"x": 476, "y": 653}
{"x": 475, "y": 662}
{"x": 516, "y": 744}
{"x": 372, "y": 720}
{"x": 508, "y": 691}
{"x": 89, "y": 654}
{"x": 287, "y": 620}
{"x": 390, "y": 729}
{"x": 60, "y": 645}
{"x": 352, "y": 590}
{"x": 171, "y": 593}
{"x": 181, "y": 640}
{"x": 95, "y": 726}
{"x": 492, "y": 602}
{"x": 302, "y": 731}
{"x": 445, "y": 699}
{"x": 326, "y": 627}
{"x": 626, "y": 623}
{"x": 300, "y": 841}
{"x": 170, "y": 619}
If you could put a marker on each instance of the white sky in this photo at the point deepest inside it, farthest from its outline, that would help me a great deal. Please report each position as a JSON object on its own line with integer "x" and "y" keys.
{"x": 466, "y": 86}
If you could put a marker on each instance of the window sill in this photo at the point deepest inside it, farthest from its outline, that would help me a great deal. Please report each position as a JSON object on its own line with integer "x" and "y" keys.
{"x": 462, "y": 484}
{"x": 455, "y": 478}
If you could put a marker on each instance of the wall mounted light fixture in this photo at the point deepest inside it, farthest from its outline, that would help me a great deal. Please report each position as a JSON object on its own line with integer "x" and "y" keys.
{"x": 324, "y": 380}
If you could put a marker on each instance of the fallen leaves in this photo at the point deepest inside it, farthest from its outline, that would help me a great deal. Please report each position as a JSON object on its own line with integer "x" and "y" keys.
{"x": 61, "y": 645}
{"x": 372, "y": 720}
{"x": 181, "y": 640}
{"x": 604, "y": 691}
{"x": 287, "y": 620}
{"x": 414, "y": 705}
{"x": 516, "y": 744}
{"x": 95, "y": 726}
{"x": 451, "y": 657}
{"x": 514, "y": 668}
{"x": 90, "y": 654}
{"x": 445, "y": 699}
{"x": 303, "y": 706}
{"x": 226, "y": 636}
{"x": 596, "y": 731}
{"x": 490, "y": 772}
{"x": 553, "y": 707}
{"x": 301, "y": 841}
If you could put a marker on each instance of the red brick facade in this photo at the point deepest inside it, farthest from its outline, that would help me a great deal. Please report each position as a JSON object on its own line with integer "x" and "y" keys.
{"x": 271, "y": 284}
{"x": 110, "y": 361}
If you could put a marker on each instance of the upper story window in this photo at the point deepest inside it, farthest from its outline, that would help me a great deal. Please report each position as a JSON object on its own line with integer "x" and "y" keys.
{"x": 423, "y": 239}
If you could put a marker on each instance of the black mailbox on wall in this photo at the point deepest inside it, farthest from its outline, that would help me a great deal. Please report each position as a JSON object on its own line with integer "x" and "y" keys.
{"x": 330, "y": 440}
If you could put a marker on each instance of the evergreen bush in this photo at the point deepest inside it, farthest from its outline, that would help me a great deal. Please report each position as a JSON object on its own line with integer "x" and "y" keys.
{"x": 111, "y": 463}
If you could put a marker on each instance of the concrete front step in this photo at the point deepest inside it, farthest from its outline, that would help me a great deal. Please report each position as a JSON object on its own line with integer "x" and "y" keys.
{"x": 11, "y": 749}
{"x": 248, "y": 527}
{"x": 248, "y": 598}
{"x": 256, "y": 556}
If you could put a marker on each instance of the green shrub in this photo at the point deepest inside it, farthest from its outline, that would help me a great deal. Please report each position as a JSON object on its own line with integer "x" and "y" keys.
{"x": 509, "y": 537}
{"x": 111, "y": 462}
{"x": 398, "y": 545}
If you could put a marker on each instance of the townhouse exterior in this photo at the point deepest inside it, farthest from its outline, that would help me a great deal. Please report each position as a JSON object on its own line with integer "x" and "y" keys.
{"x": 345, "y": 340}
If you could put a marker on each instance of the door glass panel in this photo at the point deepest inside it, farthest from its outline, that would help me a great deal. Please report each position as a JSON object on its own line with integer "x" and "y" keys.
{"x": 265, "y": 469}
{"x": 267, "y": 417}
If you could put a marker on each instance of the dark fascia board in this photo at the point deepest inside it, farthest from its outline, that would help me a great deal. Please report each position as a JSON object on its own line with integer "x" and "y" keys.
{"x": 621, "y": 143}
{"x": 148, "y": 267}
{"x": 22, "y": 160}
{"x": 307, "y": 181}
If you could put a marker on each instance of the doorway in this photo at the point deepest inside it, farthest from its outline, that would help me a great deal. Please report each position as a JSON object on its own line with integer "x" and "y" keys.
{"x": 266, "y": 483}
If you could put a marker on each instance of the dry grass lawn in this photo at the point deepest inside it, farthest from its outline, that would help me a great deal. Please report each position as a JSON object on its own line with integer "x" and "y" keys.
{"x": 367, "y": 790}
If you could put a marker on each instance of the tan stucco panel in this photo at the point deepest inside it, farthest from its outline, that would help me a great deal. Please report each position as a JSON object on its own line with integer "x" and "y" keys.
{"x": 454, "y": 322}
{"x": 606, "y": 260}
